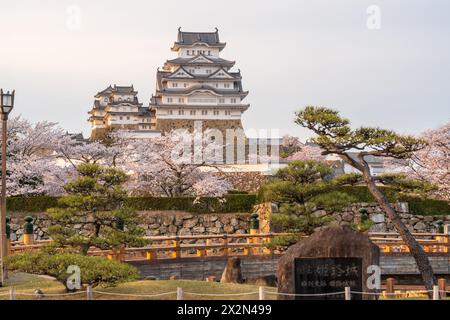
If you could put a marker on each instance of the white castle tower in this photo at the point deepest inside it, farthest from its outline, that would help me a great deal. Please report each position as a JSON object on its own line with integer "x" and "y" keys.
{"x": 198, "y": 85}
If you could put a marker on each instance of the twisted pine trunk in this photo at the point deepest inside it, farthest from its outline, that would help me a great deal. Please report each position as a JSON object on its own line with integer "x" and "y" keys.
{"x": 421, "y": 258}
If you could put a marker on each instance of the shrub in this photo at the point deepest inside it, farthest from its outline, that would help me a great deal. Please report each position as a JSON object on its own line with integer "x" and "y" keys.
{"x": 423, "y": 206}
{"x": 417, "y": 205}
{"x": 237, "y": 192}
{"x": 239, "y": 202}
{"x": 31, "y": 204}
{"x": 95, "y": 271}
{"x": 347, "y": 179}
{"x": 362, "y": 194}
{"x": 233, "y": 202}
{"x": 305, "y": 223}
{"x": 230, "y": 203}
{"x": 281, "y": 242}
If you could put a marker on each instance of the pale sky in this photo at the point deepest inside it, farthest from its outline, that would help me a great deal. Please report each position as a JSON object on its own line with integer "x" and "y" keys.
{"x": 291, "y": 54}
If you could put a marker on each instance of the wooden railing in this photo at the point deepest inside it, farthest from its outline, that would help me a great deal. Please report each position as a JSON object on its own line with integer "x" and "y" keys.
{"x": 179, "y": 247}
{"x": 174, "y": 247}
{"x": 393, "y": 243}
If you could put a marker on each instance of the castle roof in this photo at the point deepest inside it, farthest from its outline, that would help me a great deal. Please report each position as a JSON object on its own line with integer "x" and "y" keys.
{"x": 203, "y": 87}
{"x": 116, "y": 90}
{"x": 165, "y": 75}
{"x": 201, "y": 60}
{"x": 156, "y": 102}
{"x": 188, "y": 39}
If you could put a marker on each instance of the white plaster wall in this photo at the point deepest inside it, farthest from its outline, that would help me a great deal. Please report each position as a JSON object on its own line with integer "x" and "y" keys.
{"x": 183, "y": 51}
{"x": 164, "y": 114}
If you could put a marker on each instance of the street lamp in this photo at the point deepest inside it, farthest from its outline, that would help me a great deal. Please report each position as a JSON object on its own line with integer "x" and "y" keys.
{"x": 6, "y": 105}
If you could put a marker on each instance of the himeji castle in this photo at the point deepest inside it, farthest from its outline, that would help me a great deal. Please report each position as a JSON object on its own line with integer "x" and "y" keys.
{"x": 118, "y": 107}
{"x": 198, "y": 84}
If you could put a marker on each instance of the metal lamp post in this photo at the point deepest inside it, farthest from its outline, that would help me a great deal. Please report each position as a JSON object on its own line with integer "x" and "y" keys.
{"x": 6, "y": 105}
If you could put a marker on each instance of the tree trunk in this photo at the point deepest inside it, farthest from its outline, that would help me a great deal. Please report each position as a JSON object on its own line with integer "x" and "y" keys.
{"x": 420, "y": 256}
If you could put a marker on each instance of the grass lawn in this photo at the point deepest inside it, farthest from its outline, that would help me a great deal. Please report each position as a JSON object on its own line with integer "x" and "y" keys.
{"x": 26, "y": 283}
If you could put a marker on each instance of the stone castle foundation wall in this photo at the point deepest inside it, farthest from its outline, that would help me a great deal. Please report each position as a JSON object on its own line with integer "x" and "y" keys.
{"x": 167, "y": 223}
{"x": 167, "y": 125}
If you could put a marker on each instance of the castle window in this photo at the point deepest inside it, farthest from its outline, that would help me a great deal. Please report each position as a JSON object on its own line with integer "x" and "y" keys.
{"x": 227, "y": 112}
{"x": 208, "y": 71}
{"x": 106, "y": 99}
{"x": 226, "y": 85}
{"x": 170, "y": 112}
{"x": 185, "y": 85}
{"x": 169, "y": 99}
{"x": 216, "y": 112}
{"x": 188, "y": 52}
{"x": 128, "y": 118}
{"x": 120, "y": 117}
{"x": 209, "y": 52}
{"x": 204, "y": 112}
{"x": 221, "y": 100}
{"x": 128, "y": 99}
{"x": 233, "y": 100}
{"x": 120, "y": 99}
{"x": 192, "y": 112}
{"x": 181, "y": 100}
{"x": 174, "y": 84}
{"x": 181, "y": 112}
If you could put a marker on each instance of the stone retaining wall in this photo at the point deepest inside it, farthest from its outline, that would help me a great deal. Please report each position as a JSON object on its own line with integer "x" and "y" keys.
{"x": 415, "y": 223}
{"x": 155, "y": 223}
{"x": 165, "y": 223}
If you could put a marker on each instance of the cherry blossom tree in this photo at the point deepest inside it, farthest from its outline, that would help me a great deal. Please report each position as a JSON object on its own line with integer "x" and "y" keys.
{"x": 75, "y": 152}
{"x": 170, "y": 166}
{"x": 42, "y": 158}
{"x": 432, "y": 163}
{"x": 289, "y": 145}
{"x": 31, "y": 166}
{"x": 211, "y": 185}
{"x": 292, "y": 149}
{"x": 307, "y": 152}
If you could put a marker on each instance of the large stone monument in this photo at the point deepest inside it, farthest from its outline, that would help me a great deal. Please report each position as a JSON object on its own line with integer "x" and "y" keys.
{"x": 233, "y": 271}
{"x": 326, "y": 262}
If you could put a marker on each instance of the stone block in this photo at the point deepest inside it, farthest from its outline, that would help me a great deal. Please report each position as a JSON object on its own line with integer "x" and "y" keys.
{"x": 319, "y": 214}
{"x": 347, "y": 217}
{"x": 377, "y": 218}
{"x": 420, "y": 226}
{"x": 198, "y": 229}
{"x": 190, "y": 223}
{"x": 228, "y": 228}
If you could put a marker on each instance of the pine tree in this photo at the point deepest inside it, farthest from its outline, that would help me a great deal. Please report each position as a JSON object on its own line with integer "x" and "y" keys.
{"x": 96, "y": 200}
{"x": 335, "y": 136}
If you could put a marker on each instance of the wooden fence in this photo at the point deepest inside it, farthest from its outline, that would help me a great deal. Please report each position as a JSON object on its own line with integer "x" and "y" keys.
{"x": 392, "y": 242}
{"x": 174, "y": 247}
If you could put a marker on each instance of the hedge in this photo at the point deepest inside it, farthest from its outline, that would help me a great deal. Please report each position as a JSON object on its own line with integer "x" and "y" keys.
{"x": 362, "y": 194}
{"x": 232, "y": 203}
{"x": 426, "y": 207}
{"x": 31, "y": 204}
{"x": 417, "y": 205}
